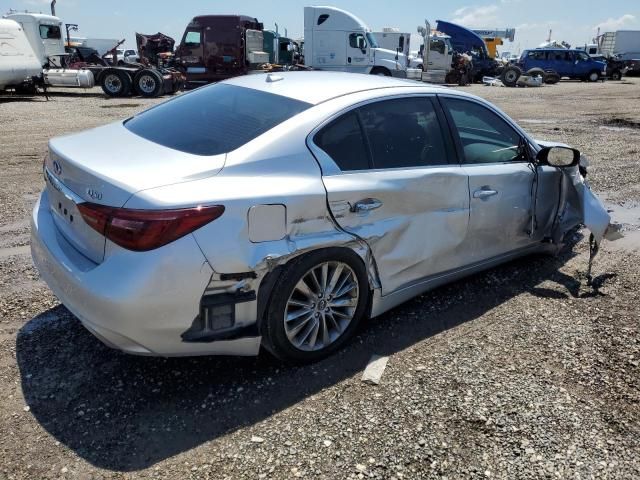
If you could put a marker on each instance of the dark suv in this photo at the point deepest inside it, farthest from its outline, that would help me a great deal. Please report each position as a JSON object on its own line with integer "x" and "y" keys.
{"x": 567, "y": 63}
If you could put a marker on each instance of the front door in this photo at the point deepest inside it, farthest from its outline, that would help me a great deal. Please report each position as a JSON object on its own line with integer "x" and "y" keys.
{"x": 192, "y": 55}
{"x": 393, "y": 185}
{"x": 357, "y": 53}
{"x": 503, "y": 185}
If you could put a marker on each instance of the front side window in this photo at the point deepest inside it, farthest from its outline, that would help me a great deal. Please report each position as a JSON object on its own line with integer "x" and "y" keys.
{"x": 343, "y": 141}
{"x": 437, "y": 46}
{"x": 483, "y": 135}
{"x": 215, "y": 119}
{"x": 582, "y": 56}
{"x": 403, "y": 133}
{"x": 372, "y": 40}
{"x": 193, "y": 38}
{"x": 356, "y": 40}
{"x": 50, "y": 32}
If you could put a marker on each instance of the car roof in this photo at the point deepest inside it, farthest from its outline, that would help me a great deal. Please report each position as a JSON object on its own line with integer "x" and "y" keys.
{"x": 316, "y": 87}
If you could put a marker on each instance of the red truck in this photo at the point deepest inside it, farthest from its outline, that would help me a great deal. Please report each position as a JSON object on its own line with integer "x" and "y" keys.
{"x": 215, "y": 47}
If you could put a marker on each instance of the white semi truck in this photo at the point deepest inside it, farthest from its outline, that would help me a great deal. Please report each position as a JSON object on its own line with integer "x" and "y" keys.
{"x": 43, "y": 34}
{"x": 335, "y": 39}
{"x": 440, "y": 51}
{"x": 38, "y": 38}
{"x": 18, "y": 62}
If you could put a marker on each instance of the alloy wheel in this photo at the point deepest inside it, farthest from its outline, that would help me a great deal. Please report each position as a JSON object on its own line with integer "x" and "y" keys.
{"x": 321, "y": 306}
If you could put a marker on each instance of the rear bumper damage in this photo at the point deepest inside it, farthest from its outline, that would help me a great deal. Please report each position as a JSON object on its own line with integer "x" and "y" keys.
{"x": 137, "y": 303}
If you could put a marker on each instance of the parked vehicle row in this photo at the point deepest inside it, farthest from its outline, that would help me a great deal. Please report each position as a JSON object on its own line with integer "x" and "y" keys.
{"x": 37, "y": 57}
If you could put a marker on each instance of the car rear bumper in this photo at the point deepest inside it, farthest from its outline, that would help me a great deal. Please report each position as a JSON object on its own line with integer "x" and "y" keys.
{"x": 138, "y": 302}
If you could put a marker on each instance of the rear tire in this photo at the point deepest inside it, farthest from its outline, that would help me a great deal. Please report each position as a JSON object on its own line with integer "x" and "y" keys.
{"x": 148, "y": 83}
{"x": 115, "y": 83}
{"x": 310, "y": 318}
{"x": 510, "y": 75}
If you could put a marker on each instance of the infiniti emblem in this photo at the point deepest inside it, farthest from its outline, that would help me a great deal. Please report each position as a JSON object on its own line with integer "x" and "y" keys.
{"x": 57, "y": 168}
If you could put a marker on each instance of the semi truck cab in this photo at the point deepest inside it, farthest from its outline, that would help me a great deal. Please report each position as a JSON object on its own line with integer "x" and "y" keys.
{"x": 216, "y": 47}
{"x": 44, "y": 33}
{"x": 338, "y": 40}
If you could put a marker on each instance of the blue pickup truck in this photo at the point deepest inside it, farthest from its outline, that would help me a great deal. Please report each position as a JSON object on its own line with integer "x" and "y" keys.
{"x": 566, "y": 63}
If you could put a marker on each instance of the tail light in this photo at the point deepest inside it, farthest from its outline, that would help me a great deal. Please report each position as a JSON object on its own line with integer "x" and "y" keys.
{"x": 143, "y": 230}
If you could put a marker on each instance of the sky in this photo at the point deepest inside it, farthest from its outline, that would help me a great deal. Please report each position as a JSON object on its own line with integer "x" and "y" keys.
{"x": 573, "y": 21}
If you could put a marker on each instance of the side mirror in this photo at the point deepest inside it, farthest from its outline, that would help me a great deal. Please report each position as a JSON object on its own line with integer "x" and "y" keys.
{"x": 561, "y": 157}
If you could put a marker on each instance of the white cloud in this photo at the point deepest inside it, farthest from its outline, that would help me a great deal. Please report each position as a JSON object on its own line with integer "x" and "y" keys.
{"x": 613, "y": 24}
{"x": 484, "y": 17}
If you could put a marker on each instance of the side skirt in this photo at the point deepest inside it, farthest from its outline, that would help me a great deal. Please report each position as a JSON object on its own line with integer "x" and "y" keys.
{"x": 381, "y": 304}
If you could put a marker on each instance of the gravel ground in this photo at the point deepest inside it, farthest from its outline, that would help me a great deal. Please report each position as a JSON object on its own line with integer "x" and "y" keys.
{"x": 519, "y": 372}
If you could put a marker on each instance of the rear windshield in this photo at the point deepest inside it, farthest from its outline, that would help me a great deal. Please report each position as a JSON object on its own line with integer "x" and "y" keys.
{"x": 215, "y": 119}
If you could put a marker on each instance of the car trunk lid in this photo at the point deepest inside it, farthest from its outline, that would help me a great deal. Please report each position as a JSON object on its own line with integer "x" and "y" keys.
{"x": 106, "y": 166}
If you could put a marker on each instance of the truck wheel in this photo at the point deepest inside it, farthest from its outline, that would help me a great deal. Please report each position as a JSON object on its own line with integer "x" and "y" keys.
{"x": 510, "y": 75}
{"x": 115, "y": 83}
{"x": 593, "y": 76}
{"x": 551, "y": 77}
{"x": 148, "y": 83}
{"x": 316, "y": 305}
{"x": 616, "y": 75}
{"x": 380, "y": 71}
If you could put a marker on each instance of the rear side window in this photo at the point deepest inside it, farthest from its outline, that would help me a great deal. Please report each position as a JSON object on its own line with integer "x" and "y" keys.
{"x": 215, "y": 119}
{"x": 404, "y": 133}
{"x": 342, "y": 140}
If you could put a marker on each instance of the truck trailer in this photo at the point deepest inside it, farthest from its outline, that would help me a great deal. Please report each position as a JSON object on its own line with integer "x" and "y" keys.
{"x": 623, "y": 43}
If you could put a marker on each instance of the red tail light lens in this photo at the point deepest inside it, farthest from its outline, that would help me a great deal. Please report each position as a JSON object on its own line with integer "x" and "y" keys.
{"x": 143, "y": 230}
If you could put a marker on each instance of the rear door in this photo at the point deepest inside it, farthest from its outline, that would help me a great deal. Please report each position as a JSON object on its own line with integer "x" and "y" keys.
{"x": 562, "y": 62}
{"x": 387, "y": 167}
{"x": 511, "y": 207}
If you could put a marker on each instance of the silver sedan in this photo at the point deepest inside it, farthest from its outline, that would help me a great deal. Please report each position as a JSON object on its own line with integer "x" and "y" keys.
{"x": 281, "y": 210}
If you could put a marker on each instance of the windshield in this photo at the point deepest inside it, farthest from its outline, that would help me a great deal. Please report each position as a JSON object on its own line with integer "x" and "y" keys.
{"x": 372, "y": 40}
{"x": 215, "y": 119}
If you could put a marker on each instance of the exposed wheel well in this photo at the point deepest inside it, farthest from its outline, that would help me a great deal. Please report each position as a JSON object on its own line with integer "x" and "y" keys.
{"x": 265, "y": 290}
{"x": 380, "y": 71}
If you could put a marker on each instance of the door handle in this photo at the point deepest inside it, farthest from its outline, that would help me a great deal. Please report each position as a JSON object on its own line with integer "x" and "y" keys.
{"x": 484, "y": 193}
{"x": 348, "y": 59}
{"x": 366, "y": 205}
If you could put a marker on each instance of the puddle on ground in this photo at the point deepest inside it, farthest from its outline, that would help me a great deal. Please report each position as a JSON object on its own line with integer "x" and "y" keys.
{"x": 122, "y": 105}
{"x": 627, "y": 216}
{"x": 619, "y": 123}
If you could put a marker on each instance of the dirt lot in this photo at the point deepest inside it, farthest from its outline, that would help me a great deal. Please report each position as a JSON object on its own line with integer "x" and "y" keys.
{"x": 519, "y": 372}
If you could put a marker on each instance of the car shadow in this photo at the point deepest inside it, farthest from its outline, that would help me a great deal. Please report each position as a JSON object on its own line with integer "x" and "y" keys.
{"x": 126, "y": 413}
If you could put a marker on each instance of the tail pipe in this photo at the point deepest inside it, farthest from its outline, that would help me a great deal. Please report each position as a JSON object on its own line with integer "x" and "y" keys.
{"x": 53, "y": 7}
